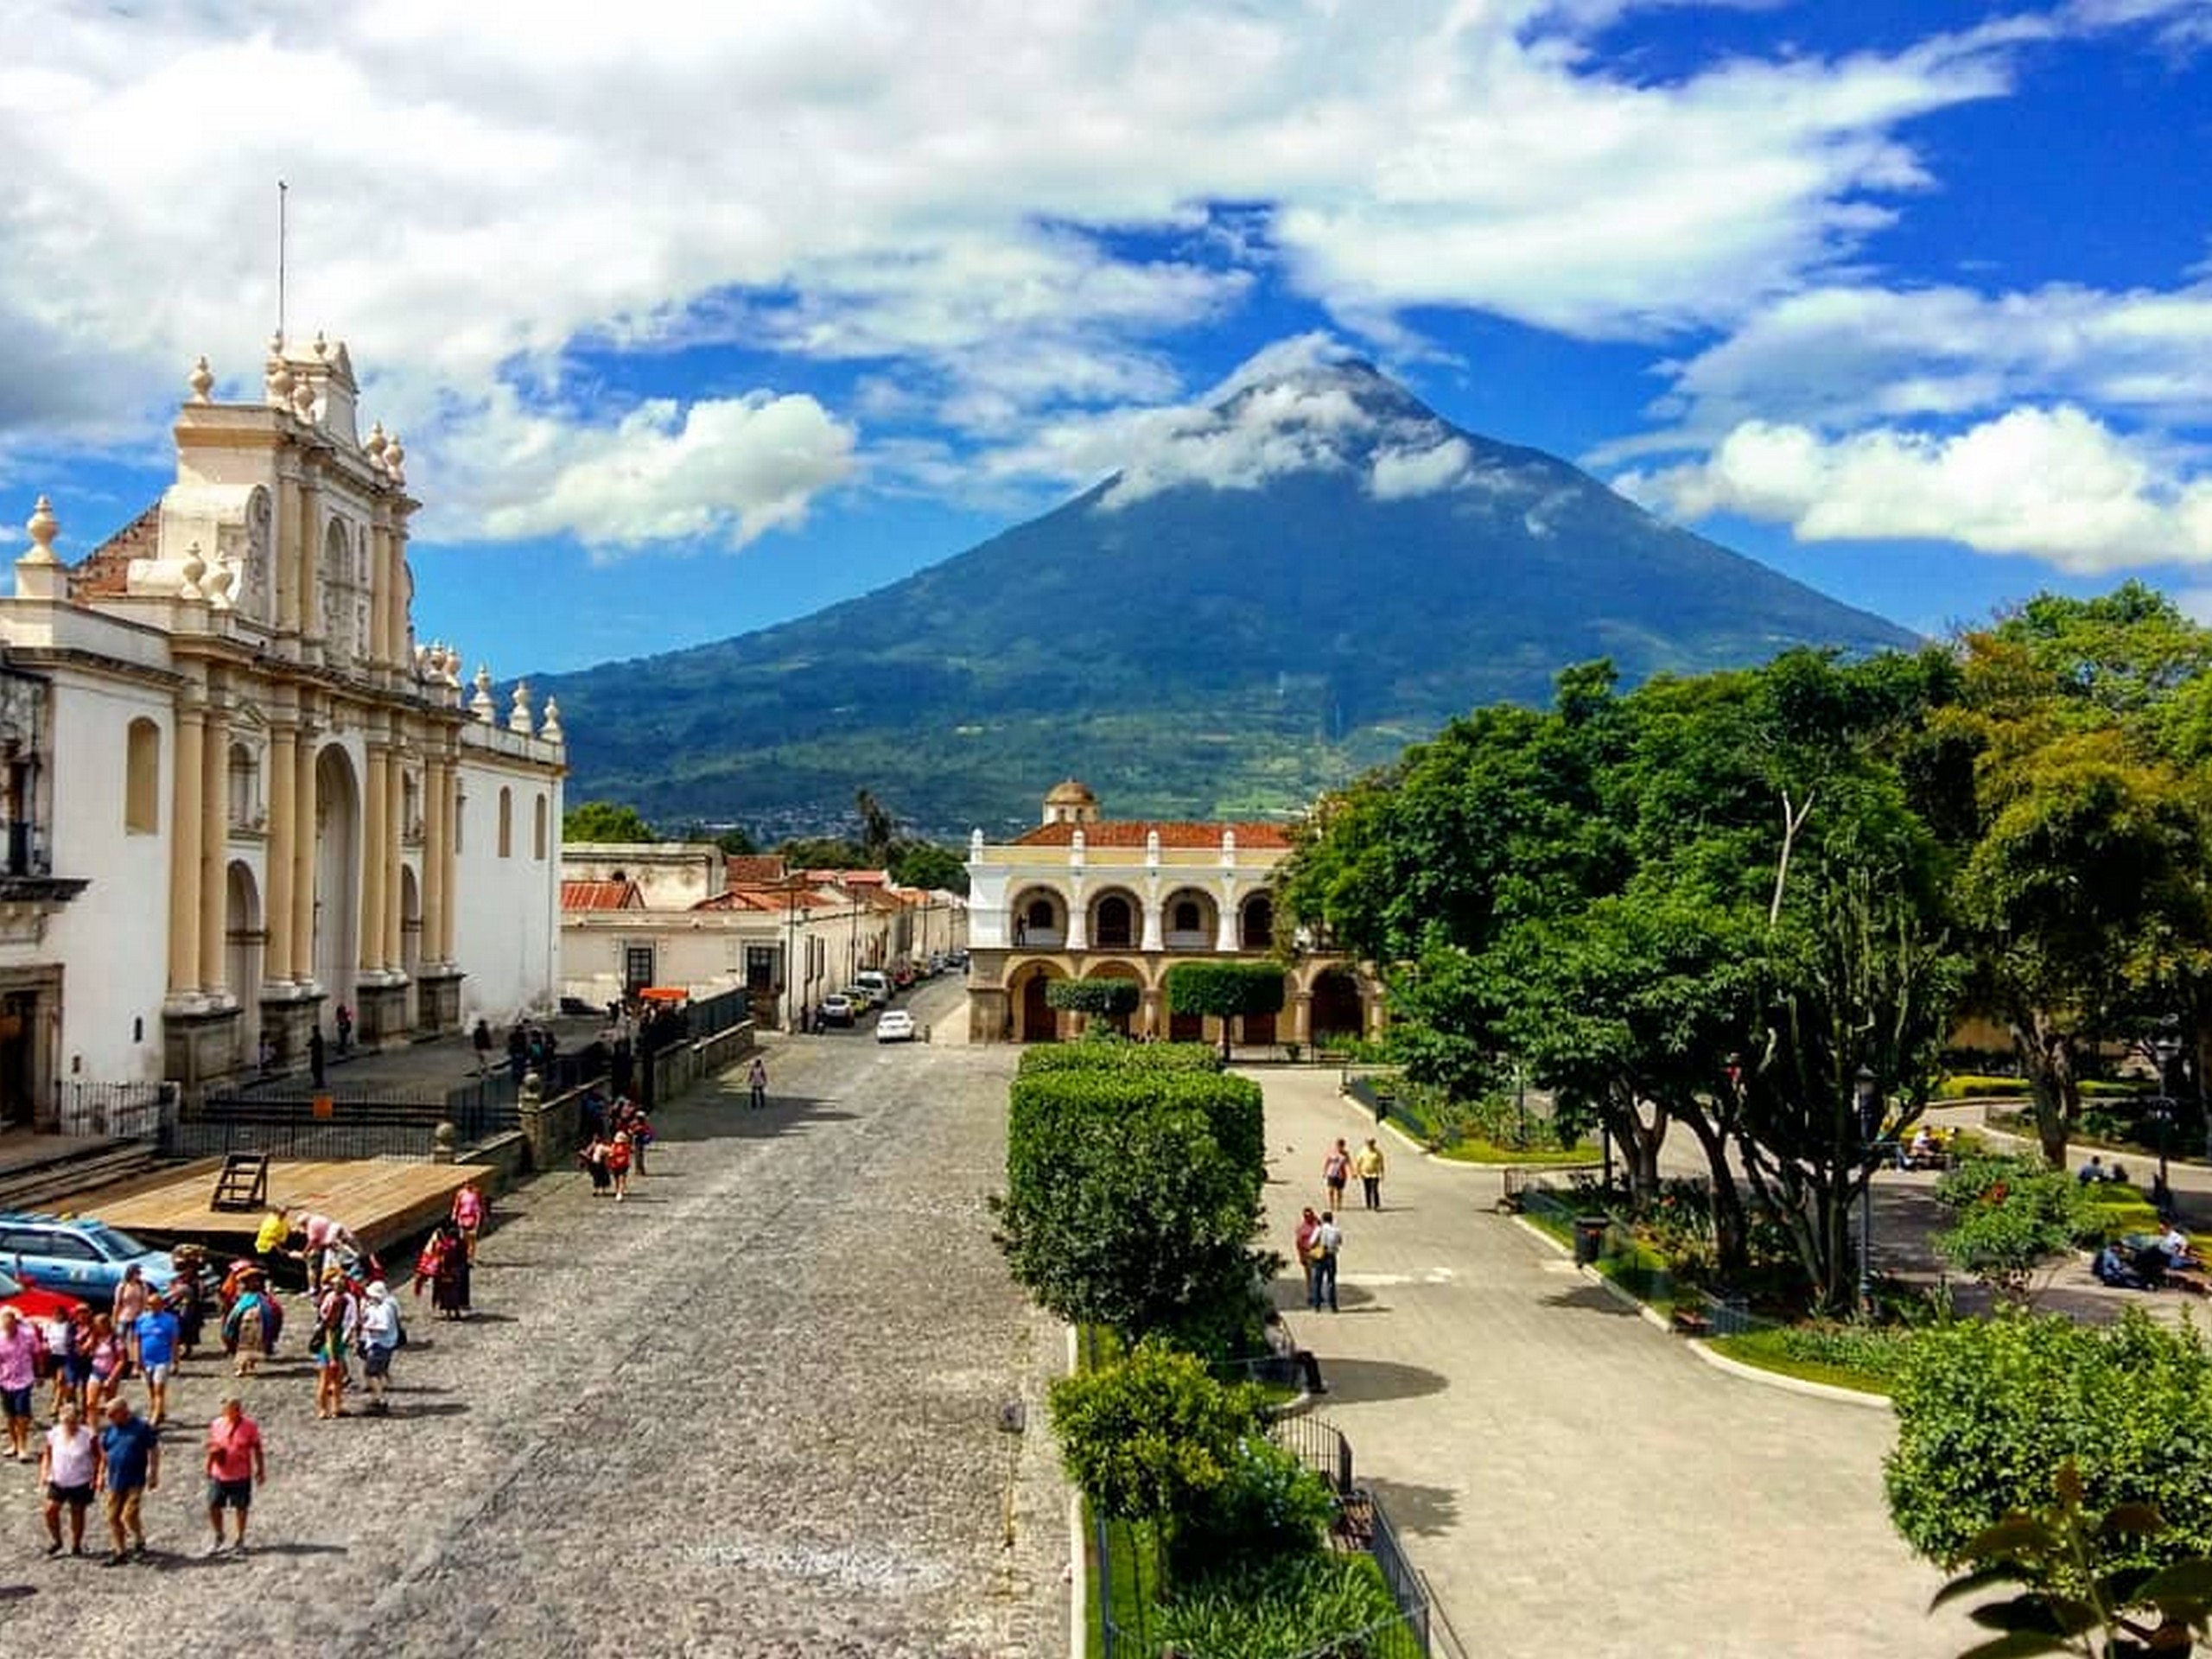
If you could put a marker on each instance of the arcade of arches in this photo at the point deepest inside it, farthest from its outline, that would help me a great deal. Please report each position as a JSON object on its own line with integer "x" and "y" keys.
{"x": 1321, "y": 999}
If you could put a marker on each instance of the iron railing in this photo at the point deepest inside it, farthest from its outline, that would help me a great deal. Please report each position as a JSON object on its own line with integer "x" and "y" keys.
{"x": 133, "y": 1111}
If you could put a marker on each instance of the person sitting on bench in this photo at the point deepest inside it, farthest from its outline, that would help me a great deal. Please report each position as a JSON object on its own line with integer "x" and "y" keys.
{"x": 1280, "y": 1344}
{"x": 2112, "y": 1267}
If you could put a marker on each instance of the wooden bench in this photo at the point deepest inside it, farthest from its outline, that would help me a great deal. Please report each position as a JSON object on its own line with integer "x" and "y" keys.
{"x": 1688, "y": 1322}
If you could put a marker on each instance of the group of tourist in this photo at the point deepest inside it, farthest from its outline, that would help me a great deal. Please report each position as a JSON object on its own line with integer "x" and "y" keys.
{"x": 614, "y": 1140}
{"x": 99, "y": 1447}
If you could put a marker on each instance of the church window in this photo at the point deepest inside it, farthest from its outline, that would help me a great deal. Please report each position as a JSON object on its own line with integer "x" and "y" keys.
{"x": 506, "y": 824}
{"x": 538, "y": 832}
{"x": 142, "y": 788}
{"x": 1188, "y": 917}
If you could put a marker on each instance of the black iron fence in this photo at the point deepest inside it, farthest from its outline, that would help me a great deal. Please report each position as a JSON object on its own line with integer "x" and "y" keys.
{"x": 131, "y": 1110}
{"x": 360, "y": 1121}
{"x": 719, "y": 1013}
{"x": 1319, "y": 1446}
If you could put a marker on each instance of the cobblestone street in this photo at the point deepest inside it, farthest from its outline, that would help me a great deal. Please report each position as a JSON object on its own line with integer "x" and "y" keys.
{"x": 753, "y": 1410}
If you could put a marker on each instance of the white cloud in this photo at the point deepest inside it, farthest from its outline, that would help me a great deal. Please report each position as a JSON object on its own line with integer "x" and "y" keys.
{"x": 729, "y": 469}
{"x": 2054, "y": 483}
{"x": 476, "y": 190}
{"x": 1834, "y": 358}
{"x": 1398, "y": 474}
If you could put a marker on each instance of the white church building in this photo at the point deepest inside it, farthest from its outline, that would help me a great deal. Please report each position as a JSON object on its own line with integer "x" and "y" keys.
{"x": 237, "y": 794}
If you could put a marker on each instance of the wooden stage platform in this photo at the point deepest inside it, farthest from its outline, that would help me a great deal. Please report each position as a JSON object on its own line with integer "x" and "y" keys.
{"x": 384, "y": 1201}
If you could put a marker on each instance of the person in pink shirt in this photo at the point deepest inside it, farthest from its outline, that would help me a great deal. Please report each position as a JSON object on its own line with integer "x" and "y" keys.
{"x": 21, "y": 1345}
{"x": 236, "y": 1465}
{"x": 468, "y": 1208}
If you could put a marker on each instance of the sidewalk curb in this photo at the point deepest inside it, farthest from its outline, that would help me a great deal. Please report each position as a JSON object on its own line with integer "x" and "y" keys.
{"x": 1079, "y": 1559}
{"x": 1704, "y": 1350}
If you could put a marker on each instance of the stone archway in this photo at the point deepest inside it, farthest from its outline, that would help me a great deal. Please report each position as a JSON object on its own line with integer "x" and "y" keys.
{"x": 1038, "y": 919}
{"x": 1339, "y": 1011}
{"x": 243, "y": 942}
{"x": 411, "y": 939}
{"x": 1189, "y": 920}
{"x": 337, "y": 875}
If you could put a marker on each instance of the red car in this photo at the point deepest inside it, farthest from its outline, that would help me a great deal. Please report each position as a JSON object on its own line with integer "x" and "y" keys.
{"x": 42, "y": 1307}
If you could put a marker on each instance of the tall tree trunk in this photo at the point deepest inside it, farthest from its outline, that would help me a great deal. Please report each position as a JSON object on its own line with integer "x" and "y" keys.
{"x": 2047, "y": 1056}
{"x": 1731, "y": 1240}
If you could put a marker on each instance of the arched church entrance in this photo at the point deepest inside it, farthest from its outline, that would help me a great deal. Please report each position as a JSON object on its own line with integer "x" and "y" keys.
{"x": 337, "y": 877}
{"x": 243, "y": 939}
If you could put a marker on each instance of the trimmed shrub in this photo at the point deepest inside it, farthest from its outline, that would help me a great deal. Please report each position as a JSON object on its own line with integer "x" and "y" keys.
{"x": 1302, "y": 1603}
{"x": 1152, "y": 1436}
{"x": 1225, "y": 989}
{"x": 1988, "y": 1410}
{"x": 1098, "y": 999}
{"x": 1132, "y": 1198}
{"x": 1119, "y": 1056}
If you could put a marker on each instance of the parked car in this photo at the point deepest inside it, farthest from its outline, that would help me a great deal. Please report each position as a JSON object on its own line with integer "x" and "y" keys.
{"x": 860, "y": 997}
{"x": 897, "y": 1026}
{"x": 837, "y": 1011}
{"x": 44, "y": 1308}
{"x": 85, "y": 1257}
{"x": 876, "y": 983}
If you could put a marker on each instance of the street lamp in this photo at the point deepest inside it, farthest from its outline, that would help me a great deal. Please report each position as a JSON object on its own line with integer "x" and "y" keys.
{"x": 794, "y": 913}
{"x": 2168, "y": 1046}
{"x": 1867, "y": 1098}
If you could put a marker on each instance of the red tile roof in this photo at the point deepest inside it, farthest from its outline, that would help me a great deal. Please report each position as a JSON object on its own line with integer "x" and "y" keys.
{"x": 1132, "y": 832}
{"x": 106, "y": 569}
{"x": 753, "y": 869}
{"x": 602, "y": 895}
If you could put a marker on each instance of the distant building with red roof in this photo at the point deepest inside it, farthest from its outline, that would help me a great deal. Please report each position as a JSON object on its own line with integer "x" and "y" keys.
{"x": 1082, "y": 896}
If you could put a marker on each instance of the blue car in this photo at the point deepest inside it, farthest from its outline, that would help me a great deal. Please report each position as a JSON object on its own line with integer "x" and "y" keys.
{"x": 86, "y": 1258}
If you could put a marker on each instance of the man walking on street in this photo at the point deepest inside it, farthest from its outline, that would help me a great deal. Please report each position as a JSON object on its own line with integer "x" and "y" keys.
{"x": 130, "y": 1467}
{"x": 157, "y": 1331}
{"x": 236, "y": 1465}
{"x": 757, "y": 1080}
{"x": 1328, "y": 1240}
{"x": 1367, "y": 1164}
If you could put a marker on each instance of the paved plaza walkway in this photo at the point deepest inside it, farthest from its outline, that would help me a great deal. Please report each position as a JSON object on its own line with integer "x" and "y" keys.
{"x": 753, "y": 1411}
{"x": 1571, "y": 1478}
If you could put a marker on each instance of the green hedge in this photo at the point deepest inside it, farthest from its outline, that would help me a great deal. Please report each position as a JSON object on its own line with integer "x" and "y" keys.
{"x": 1119, "y": 1056}
{"x": 1132, "y": 1200}
{"x": 1305, "y": 1604}
{"x": 1226, "y": 989}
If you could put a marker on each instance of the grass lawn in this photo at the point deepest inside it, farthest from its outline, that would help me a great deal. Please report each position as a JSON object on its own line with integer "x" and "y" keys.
{"x": 1483, "y": 1152}
{"x": 1843, "y": 1356}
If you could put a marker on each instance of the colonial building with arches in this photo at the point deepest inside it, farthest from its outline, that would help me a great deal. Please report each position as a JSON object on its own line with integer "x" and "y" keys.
{"x": 1085, "y": 897}
{"x": 265, "y": 799}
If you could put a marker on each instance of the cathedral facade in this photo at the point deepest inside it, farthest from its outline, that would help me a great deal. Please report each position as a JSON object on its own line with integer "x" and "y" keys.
{"x": 240, "y": 794}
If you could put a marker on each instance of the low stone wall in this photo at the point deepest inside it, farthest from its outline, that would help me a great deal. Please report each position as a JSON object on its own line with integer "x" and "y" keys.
{"x": 552, "y": 1129}
{"x": 504, "y": 1157}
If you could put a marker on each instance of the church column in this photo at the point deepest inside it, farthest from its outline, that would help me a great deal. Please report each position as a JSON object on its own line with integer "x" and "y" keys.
{"x": 185, "y": 827}
{"x": 372, "y": 838}
{"x": 214, "y": 846}
{"x": 436, "y": 784}
{"x": 395, "y": 807}
{"x": 394, "y": 593}
{"x": 380, "y": 649}
{"x": 1079, "y": 934}
{"x": 285, "y": 552}
{"x": 307, "y": 826}
{"x": 1154, "y": 940}
{"x": 283, "y": 828}
{"x": 310, "y": 552}
{"x": 449, "y": 805}
{"x": 1301, "y": 1017}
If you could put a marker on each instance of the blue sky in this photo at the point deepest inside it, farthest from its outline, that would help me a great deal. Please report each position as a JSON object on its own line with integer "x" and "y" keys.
{"x": 695, "y": 319}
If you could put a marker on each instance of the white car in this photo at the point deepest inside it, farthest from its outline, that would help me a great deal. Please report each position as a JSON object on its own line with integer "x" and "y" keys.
{"x": 894, "y": 1025}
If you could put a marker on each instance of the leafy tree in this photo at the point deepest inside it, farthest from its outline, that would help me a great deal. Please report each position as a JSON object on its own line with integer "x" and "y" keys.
{"x": 1099, "y": 1000}
{"x": 1226, "y": 989}
{"x": 2074, "y": 1599}
{"x": 1990, "y": 1410}
{"x": 878, "y": 828}
{"x": 819, "y": 853}
{"x": 925, "y": 864}
{"x": 605, "y": 821}
{"x": 2013, "y": 1216}
{"x": 735, "y": 842}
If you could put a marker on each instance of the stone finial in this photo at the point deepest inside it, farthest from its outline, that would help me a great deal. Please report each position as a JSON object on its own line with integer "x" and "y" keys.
{"x": 322, "y": 348}
{"x": 519, "y": 718}
{"x": 195, "y": 567}
{"x": 278, "y": 382}
{"x": 303, "y": 399}
{"x": 974, "y": 846}
{"x": 374, "y": 446}
{"x": 395, "y": 459}
{"x": 550, "y": 728}
{"x": 481, "y": 705}
{"x": 221, "y": 580}
{"x": 1151, "y": 846}
{"x": 203, "y": 381}
{"x": 43, "y": 527}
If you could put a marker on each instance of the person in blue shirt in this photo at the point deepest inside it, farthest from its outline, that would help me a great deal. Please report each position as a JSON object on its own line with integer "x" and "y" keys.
{"x": 157, "y": 1331}
{"x": 130, "y": 1467}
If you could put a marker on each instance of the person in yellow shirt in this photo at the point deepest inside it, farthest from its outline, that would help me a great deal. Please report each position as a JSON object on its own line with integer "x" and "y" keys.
{"x": 268, "y": 1243}
{"x": 1367, "y": 1164}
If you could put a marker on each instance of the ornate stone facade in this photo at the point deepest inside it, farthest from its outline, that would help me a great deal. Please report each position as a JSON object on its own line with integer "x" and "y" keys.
{"x": 260, "y": 771}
